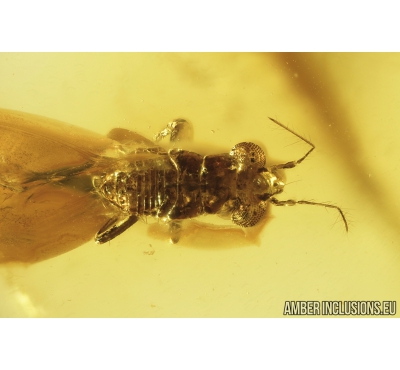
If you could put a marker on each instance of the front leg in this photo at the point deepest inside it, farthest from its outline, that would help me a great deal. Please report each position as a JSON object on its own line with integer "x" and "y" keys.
{"x": 178, "y": 130}
{"x": 175, "y": 230}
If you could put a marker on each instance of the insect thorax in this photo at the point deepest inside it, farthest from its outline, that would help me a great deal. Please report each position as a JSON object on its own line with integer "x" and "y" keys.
{"x": 181, "y": 184}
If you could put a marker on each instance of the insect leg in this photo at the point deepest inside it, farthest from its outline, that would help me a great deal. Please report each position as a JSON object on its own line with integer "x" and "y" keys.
{"x": 175, "y": 228}
{"x": 113, "y": 228}
{"x": 291, "y": 202}
{"x": 292, "y": 163}
{"x": 179, "y": 129}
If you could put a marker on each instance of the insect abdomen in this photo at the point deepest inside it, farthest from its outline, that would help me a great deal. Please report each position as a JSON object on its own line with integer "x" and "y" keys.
{"x": 143, "y": 190}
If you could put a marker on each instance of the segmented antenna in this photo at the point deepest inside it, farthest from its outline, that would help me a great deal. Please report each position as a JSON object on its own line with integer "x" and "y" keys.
{"x": 292, "y": 164}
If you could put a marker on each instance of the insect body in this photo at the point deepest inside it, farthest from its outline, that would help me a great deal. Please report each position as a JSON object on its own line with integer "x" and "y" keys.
{"x": 60, "y": 185}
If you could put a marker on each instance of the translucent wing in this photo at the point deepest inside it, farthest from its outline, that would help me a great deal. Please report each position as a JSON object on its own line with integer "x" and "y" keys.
{"x": 45, "y": 221}
{"x": 47, "y": 203}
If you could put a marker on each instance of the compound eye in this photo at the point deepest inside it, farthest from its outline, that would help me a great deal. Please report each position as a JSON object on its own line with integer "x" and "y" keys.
{"x": 248, "y": 154}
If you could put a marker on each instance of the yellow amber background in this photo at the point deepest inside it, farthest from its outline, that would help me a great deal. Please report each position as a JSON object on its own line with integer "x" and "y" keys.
{"x": 348, "y": 105}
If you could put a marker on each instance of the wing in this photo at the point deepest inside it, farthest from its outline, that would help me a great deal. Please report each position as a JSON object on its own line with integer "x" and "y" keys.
{"x": 47, "y": 220}
{"x": 47, "y": 203}
{"x": 32, "y": 144}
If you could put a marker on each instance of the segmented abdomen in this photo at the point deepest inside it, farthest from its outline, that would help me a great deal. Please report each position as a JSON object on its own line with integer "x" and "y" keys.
{"x": 141, "y": 190}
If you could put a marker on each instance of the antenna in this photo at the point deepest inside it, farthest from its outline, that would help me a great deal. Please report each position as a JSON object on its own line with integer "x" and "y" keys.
{"x": 292, "y": 164}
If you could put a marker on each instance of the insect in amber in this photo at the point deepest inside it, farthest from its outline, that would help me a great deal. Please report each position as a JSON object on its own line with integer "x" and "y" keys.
{"x": 61, "y": 185}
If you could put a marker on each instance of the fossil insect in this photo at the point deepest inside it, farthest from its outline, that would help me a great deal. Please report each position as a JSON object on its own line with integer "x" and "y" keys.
{"x": 61, "y": 185}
